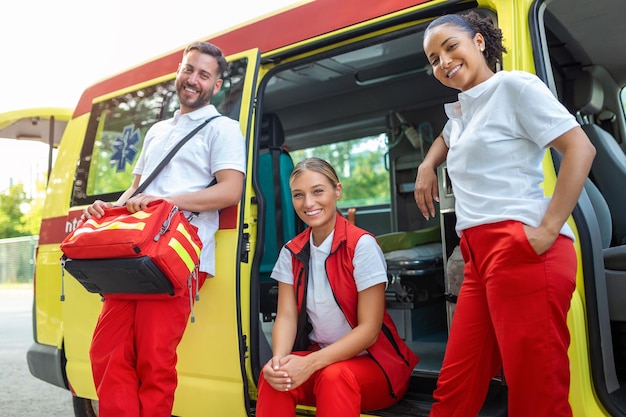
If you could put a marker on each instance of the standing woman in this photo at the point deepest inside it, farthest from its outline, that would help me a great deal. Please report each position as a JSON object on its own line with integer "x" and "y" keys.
{"x": 331, "y": 295}
{"x": 520, "y": 263}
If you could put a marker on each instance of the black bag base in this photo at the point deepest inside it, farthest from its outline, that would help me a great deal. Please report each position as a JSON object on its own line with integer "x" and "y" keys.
{"x": 119, "y": 276}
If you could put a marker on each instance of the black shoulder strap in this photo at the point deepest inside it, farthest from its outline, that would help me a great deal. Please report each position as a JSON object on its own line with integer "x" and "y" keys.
{"x": 304, "y": 327}
{"x": 170, "y": 155}
{"x": 278, "y": 198}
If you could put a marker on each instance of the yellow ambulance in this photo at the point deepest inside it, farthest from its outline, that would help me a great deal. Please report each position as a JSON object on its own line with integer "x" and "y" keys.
{"x": 347, "y": 81}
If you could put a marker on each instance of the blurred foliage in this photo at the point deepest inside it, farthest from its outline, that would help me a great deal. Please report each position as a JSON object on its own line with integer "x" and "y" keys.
{"x": 360, "y": 166}
{"x": 20, "y": 214}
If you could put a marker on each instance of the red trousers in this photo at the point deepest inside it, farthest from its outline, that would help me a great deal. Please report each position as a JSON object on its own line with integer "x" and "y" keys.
{"x": 133, "y": 355}
{"x": 341, "y": 389}
{"x": 511, "y": 314}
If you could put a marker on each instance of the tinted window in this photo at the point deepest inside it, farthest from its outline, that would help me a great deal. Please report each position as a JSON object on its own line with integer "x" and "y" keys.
{"x": 117, "y": 127}
{"x": 361, "y": 167}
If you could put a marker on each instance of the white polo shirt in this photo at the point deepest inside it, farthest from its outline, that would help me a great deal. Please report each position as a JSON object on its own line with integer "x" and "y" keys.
{"x": 329, "y": 323}
{"x": 218, "y": 146}
{"x": 497, "y": 134}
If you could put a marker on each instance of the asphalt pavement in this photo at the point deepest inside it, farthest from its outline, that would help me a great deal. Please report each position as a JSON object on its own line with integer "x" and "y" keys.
{"x": 21, "y": 394}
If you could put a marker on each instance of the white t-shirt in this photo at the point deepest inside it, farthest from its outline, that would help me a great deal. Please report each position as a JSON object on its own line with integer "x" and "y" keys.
{"x": 329, "y": 323}
{"x": 218, "y": 146}
{"x": 497, "y": 134}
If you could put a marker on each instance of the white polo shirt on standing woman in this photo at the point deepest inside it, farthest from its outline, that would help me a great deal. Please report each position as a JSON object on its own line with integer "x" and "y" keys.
{"x": 497, "y": 134}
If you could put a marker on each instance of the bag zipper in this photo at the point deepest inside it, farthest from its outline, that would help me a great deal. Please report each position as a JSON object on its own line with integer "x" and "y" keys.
{"x": 193, "y": 277}
{"x": 166, "y": 224}
{"x": 63, "y": 278}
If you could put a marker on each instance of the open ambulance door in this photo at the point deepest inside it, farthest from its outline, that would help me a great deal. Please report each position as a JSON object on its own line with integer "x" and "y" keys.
{"x": 248, "y": 221}
{"x": 44, "y": 125}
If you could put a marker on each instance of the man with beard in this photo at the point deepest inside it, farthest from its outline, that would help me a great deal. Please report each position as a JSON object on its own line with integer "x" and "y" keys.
{"x": 133, "y": 350}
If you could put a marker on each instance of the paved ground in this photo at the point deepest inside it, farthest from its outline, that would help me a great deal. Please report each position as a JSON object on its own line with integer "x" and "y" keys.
{"x": 21, "y": 394}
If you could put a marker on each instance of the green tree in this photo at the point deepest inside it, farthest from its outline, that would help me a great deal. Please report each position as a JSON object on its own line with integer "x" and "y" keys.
{"x": 30, "y": 221}
{"x": 20, "y": 215}
{"x": 11, "y": 202}
{"x": 360, "y": 165}
{"x": 368, "y": 181}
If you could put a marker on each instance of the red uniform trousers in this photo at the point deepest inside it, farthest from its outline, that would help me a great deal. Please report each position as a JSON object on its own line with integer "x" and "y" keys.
{"x": 340, "y": 389}
{"x": 133, "y": 355}
{"x": 511, "y": 313}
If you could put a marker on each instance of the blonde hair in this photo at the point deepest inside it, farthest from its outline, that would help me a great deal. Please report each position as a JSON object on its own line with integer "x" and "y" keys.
{"x": 317, "y": 165}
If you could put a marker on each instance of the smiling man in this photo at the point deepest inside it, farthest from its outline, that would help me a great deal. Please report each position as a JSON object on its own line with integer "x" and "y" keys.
{"x": 133, "y": 351}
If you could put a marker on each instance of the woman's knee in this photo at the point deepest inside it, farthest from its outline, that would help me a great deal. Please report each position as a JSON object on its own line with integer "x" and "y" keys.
{"x": 339, "y": 373}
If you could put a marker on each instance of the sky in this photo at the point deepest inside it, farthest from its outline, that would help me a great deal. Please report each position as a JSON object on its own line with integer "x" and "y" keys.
{"x": 52, "y": 50}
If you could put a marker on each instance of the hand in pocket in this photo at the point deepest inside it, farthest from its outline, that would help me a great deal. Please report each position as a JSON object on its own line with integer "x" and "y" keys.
{"x": 539, "y": 238}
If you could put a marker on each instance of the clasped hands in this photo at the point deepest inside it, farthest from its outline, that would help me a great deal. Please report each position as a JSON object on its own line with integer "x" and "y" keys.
{"x": 287, "y": 372}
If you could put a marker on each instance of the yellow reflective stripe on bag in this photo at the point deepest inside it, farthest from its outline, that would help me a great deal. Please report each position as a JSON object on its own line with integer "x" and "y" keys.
{"x": 182, "y": 253}
{"x": 111, "y": 226}
{"x": 185, "y": 233}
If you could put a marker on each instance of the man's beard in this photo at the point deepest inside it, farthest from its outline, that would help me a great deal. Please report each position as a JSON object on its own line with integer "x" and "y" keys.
{"x": 203, "y": 99}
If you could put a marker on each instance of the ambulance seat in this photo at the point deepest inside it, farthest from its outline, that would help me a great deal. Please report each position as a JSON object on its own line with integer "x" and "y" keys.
{"x": 410, "y": 255}
{"x": 615, "y": 275}
{"x": 274, "y": 168}
{"x": 614, "y": 256}
{"x": 606, "y": 191}
{"x": 608, "y": 171}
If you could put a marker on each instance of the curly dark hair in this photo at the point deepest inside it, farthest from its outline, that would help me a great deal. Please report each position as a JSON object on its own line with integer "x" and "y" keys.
{"x": 473, "y": 23}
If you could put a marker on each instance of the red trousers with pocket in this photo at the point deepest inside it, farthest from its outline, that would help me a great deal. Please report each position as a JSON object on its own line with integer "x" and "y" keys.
{"x": 340, "y": 389}
{"x": 511, "y": 314}
{"x": 133, "y": 355}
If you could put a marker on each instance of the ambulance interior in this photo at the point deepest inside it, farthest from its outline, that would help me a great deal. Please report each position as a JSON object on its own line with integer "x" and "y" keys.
{"x": 373, "y": 108}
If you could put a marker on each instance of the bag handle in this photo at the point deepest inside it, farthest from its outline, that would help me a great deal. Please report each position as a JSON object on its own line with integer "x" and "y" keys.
{"x": 170, "y": 155}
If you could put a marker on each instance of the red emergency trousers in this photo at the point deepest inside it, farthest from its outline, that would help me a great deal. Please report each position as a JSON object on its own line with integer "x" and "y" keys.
{"x": 345, "y": 388}
{"x": 133, "y": 354}
{"x": 511, "y": 313}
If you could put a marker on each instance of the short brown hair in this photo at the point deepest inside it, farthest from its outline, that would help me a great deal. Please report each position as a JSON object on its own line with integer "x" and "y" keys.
{"x": 209, "y": 49}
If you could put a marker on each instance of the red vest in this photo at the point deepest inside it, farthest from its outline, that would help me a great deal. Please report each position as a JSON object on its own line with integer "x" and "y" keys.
{"x": 389, "y": 351}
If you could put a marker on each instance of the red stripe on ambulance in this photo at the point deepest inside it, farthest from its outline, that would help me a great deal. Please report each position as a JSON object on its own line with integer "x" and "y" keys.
{"x": 54, "y": 229}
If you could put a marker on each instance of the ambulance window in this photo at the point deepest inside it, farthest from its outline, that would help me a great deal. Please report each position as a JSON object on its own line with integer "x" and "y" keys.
{"x": 361, "y": 167}
{"x": 113, "y": 141}
{"x": 117, "y": 127}
{"x": 228, "y": 99}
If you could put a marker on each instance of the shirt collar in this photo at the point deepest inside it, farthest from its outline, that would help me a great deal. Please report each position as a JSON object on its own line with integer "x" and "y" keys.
{"x": 479, "y": 89}
{"x": 326, "y": 244}
{"x": 199, "y": 114}
{"x": 454, "y": 110}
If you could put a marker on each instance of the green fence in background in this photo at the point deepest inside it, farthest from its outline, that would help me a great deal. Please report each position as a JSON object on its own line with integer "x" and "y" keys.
{"x": 17, "y": 259}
